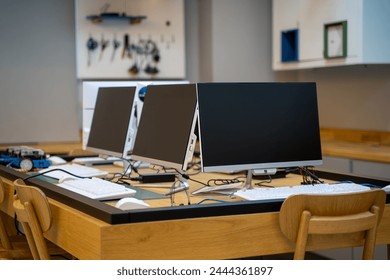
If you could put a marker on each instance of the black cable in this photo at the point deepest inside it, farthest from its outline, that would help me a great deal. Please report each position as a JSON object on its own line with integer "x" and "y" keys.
{"x": 194, "y": 164}
{"x": 199, "y": 182}
{"x": 262, "y": 183}
{"x": 223, "y": 181}
{"x": 51, "y": 170}
{"x": 125, "y": 174}
{"x": 114, "y": 176}
{"x": 218, "y": 182}
{"x": 309, "y": 178}
{"x": 135, "y": 169}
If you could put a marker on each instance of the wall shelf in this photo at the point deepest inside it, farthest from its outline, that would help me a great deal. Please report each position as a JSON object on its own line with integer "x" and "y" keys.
{"x": 323, "y": 39}
{"x": 115, "y": 16}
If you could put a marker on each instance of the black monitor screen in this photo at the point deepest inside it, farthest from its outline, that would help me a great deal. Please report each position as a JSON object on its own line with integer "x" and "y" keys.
{"x": 166, "y": 127}
{"x": 111, "y": 122}
{"x": 246, "y": 126}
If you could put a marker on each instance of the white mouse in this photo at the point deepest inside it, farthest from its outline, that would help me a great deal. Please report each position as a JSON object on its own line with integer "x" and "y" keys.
{"x": 55, "y": 160}
{"x": 130, "y": 203}
{"x": 386, "y": 189}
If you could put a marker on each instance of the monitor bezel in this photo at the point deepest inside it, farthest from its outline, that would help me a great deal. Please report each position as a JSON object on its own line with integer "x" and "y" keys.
{"x": 261, "y": 167}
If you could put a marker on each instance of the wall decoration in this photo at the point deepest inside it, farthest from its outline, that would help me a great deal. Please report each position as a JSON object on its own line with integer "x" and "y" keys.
{"x": 335, "y": 40}
{"x": 130, "y": 39}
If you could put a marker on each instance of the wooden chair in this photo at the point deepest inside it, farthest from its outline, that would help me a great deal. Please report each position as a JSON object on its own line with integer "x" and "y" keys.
{"x": 5, "y": 242}
{"x": 302, "y": 216}
{"x": 12, "y": 246}
{"x": 33, "y": 212}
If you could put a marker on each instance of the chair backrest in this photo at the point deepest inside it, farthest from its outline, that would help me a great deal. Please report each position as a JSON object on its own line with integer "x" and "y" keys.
{"x": 33, "y": 211}
{"x": 305, "y": 214}
{"x": 12, "y": 246}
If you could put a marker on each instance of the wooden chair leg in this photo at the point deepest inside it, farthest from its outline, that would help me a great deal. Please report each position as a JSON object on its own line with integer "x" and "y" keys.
{"x": 369, "y": 245}
{"x": 37, "y": 234}
{"x": 30, "y": 240}
{"x": 300, "y": 247}
{"x": 370, "y": 240}
{"x": 13, "y": 246}
{"x": 5, "y": 242}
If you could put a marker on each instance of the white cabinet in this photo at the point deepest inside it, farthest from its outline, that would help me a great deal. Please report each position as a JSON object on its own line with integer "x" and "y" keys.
{"x": 336, "y": 164}
{"x": 371, "y": 169}
{"x": 364, "y": 168}
{"x": 366, "y": 35}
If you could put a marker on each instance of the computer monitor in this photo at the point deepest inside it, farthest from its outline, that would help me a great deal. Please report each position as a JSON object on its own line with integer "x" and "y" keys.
{"x": 89, "y": 94}
{"x": 113, "y": 126}
{"x": 258, "y": 126}
{"x": 166, "y": 130}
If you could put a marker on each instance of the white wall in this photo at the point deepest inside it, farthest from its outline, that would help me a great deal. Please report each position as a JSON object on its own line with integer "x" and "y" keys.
{"x": 241, "y": 40}
{"x": 192, "y": 38}
{"x": 235, "y": 40}
{"x": 38, "y": 92}
{"x": 235, "y": 45}
{"x": 38, "y": 98}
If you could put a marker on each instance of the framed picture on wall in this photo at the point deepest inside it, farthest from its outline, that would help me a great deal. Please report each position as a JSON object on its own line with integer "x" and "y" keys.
{"x": 335, "y": 39}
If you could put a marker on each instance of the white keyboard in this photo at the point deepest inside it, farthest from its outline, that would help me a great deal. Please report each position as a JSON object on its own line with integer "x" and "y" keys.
{"x": 283, "y": 192}
{"x": 97, "y": 188}
{"x": 76, "y": 169}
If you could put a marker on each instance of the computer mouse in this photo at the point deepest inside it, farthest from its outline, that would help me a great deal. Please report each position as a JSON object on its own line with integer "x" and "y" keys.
{"x": 130, "y": 203}
{"x": 56, "y": 160}
{"x": 386, "y": 189}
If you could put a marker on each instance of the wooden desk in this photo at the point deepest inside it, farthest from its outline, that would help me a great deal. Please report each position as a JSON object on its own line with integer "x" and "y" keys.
{"x": 233, "y": 230}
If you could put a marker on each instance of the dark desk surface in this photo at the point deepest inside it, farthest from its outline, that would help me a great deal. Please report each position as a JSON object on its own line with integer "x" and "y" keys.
{"x": 162, "y": 210}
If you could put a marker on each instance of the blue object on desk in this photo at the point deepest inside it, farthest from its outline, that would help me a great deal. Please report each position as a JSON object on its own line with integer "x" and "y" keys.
{"x": 17, "y": 162}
